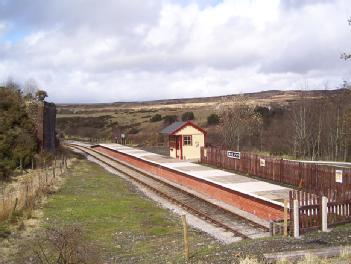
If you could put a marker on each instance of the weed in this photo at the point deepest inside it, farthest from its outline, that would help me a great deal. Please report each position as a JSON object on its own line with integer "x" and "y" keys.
{"x": 249, "y": 260}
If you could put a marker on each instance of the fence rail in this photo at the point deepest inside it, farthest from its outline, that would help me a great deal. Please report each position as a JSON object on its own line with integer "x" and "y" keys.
{"x": 313, "y": 178}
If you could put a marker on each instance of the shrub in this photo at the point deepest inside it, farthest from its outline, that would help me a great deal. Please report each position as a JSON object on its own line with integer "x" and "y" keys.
{"x": 188, "y": 116}
{"x": 213, "y": 119}
{"x": 156, "y": 118}
{"x": 169, "y": 119}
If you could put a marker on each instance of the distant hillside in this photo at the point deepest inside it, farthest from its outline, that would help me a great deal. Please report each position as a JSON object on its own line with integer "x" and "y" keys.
{"x": 276, "y": 96}
{"x": 134, "y": 118}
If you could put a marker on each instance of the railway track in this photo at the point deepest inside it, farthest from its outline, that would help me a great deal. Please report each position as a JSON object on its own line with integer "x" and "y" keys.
{"x": 240, "y": 227}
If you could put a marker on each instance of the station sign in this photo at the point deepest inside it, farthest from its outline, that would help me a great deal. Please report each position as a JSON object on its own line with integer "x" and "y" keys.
{"x": 233, "y": 154}
{"x": 338, "y": 176}
{"x": 262, "y": 163}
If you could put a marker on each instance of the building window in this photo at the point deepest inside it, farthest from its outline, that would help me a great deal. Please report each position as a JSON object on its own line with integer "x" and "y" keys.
{"x": 187, "y": 141}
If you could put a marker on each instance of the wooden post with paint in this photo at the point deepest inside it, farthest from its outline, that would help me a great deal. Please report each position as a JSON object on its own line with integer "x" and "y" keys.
{"x": 296, "y": 219}
{"x": 324, "y": 214}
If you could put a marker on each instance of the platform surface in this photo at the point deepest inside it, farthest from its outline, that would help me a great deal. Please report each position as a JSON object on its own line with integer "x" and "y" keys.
{"x": 269, "y": 192}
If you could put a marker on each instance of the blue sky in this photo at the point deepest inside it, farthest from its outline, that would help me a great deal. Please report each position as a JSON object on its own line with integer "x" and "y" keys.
{"x": 95, "y": 51}
{"x": 15, "y": 35}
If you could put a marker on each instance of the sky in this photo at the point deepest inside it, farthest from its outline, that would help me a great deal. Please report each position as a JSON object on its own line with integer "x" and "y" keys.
{"x": 87, "y": 51}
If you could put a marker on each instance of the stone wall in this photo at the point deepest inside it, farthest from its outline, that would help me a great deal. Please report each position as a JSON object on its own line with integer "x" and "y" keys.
{"x": 44, "y": 116}
{"x": 49, "y": 127}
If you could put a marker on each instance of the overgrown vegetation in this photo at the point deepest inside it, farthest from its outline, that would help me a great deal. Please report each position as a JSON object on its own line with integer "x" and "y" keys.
{"x": 18, "y": 143}
{"x": 62, "y": 244}
{"x": 169, "y": 119}
{"x": 82, "y": 126}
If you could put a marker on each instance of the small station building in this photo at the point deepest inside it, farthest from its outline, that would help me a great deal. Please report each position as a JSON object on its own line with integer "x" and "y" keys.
{"x": 185, "y": 140}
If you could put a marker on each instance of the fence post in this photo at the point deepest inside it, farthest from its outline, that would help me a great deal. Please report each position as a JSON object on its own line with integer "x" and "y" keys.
{"x": 296, "y": 219}
{"x": 324, "y": 209}
{"x": 285, "y": 218}
{"x": 54, "y": 170}
{"x": 186, "y": 242}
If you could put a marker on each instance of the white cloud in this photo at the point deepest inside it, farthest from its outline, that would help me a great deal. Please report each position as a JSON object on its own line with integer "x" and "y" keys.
{"x": 136, "y": 50}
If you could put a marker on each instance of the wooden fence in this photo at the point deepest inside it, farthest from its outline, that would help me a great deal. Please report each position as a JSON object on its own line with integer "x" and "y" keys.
{"x": 22, "y": 194}
{"x": 310, "y": 213}
{"x": 339, "y": 207}
{"x": 310, "y": 210}
{"x": 312, "y": 178}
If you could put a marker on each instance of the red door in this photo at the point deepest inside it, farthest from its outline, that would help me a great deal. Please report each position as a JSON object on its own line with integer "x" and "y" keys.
{"x": 179, "y": 147}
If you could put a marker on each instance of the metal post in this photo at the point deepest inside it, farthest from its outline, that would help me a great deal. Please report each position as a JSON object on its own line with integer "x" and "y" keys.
{"x": 324, "y": 214}
{"x": 296, "y": 219}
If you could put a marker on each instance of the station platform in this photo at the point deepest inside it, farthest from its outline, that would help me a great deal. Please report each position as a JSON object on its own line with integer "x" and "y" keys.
{"x": 261, "y": 199}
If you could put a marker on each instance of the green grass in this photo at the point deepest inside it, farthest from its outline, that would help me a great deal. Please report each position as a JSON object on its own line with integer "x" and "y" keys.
{"x": 4, "y": 229}
{"x": 116, "y": 216}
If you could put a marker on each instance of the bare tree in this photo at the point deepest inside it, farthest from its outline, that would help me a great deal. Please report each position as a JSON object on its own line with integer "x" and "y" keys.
{"x": 346, "y": 56}
{"x": 321, "y": 126}
{"x": 30, "y": 88}
{"x": 238, "y": 119}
